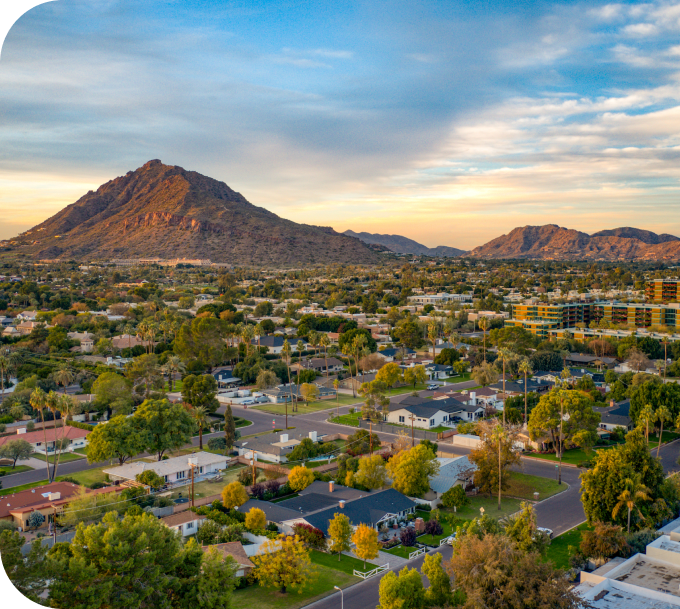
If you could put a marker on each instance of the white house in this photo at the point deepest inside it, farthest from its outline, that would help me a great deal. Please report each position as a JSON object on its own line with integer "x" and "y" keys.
{"x": 425, "y": 413}
{"x": 174, "y": 471}
{"x": 186, "y": 522}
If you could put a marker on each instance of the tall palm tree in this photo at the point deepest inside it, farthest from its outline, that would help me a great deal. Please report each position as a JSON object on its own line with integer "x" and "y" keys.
{"x": 336, "y": 386}
{"x": 432, "y": 336}
{"x": 38, "y": 400}
{"x": 498, "y": 436}
{"x": 647, "y": 416}
{"x": 129, "y": 329}
{"x": 634, "y": 491}
{"x": 200, "y": 415}
{"x": 483, "y": 324}
{"x": 66, "y": 406}
{"x": 259, "y": 331}
{"x": 64, "y": 376}
{"x": 247, "y": 335}
{"x": 300, "y": 349}
{"x": 505, "y": 354}
{"x": 662, "y": 415}
{"x": 357, "y": 345}
{"x": 174, "y": 365}
{"x": 525, "y": 369}
{"x": 10, "y": 360}
{"x": 286, "y": 351}
{"x": 325, "y": 342}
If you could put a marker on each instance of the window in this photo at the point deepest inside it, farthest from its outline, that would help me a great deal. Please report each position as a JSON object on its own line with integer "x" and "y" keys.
{"x": 431, "y": 422}
{"x": 165, "y": 478}
{"x": 180, "y": 475}
{"x": 200, "y": 470}
{"x": 402, "y": 419}
{"x": 190, "y": 525}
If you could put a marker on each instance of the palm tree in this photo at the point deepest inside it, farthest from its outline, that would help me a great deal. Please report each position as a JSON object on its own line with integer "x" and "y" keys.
{"x": 498, "y": 436}
{"x": 9, "y": 361}
{"x": 258, "y": 332}
{"x": 63, "y": 376}
{"x": 200, "y": 415}
{"x": 525, "y": 369}
{"x": 662, "y": 415}
{"x": 505, "y": 354}
{"x": 325, "y": 342}
{"x": 300, "y": 349}
{"x": 38, "y": 400}
{"x": 173, "y": 366}
{"x": 129, "y": 329}
{"x": 635, "y": 491}
{"x": 66, "y": 406}
{"x": 336, "y": 386}
{"x": 646, "y": 416}
{"x": 432, "y": 336}
{"x": 286, "y": 352}
{"x": 483, "y": 325}
{"x": 247, "y": 335}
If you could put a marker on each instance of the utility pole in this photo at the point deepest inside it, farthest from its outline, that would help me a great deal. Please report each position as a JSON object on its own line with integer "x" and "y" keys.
{"x": 192, "y": 485}
{"x": 54, "y": 525}
{"x": 413, "y": 437}
{"x": 370, "y": 434}
{"x": 252, "y": 462}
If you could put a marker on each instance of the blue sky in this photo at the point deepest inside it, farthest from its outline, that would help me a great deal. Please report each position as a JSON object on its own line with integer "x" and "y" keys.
{"x": 447, "y": 122}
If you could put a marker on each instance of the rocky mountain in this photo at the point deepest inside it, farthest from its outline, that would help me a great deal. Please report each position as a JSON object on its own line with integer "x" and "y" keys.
{"x": 164, "y": 211}
{"x": 403, "y": 245}
{"x": 552, "y": 242}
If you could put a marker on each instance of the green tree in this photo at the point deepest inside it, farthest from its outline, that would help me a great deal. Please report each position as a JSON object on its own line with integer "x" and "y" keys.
{"x": 403, "y": 591}
{"x": 200, "y": 391}
{"x": 606, "y": 541}
{"x": 485, "y": 374}
{"x": 438, "y": 593}
{"x": 376, "y": 403}
{"x": 202, "y": 339}
{"x": 118, "y": 439}
{"x": 164, "y": 426}
{"x": 339, "y": 534}
{"x": 412, "y": 469}
{"x": 372, "y": 472}
{"x": 150, "y": 478}
{"x": 415, "y": 375}
{"x": 15, "y": 450}
{"x": 455, "y": 497}
{"x": 114, "y": 391}
{"x": 216, "y": 582}
{"x": 309, "y": 392}
{"x": 27, "y": 573}
{"x": 633, "y": 492}
{"x": 663, "y": 414}
{"x": 145, "y": 375}
{"x": 488, "y": 477}
{"x": 523, "y": 530}
{"x": 229, "y": 427}
{"x": 266, "y": 379}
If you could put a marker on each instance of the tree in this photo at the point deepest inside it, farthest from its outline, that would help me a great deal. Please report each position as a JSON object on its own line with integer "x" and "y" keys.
{"x": 216, "y": 582}
{"x": 174, "y": 365}
{"x": 415, "y": 375}
{"x": 202, "y": 339}
{"x": 255, "y": 519}
{"x": 433, "y": 527}
{"x": 114, "y": 391}
{"x": 488, "y": 477}
{"x": 234, "y": 495}
{"x": 150, "y": 478}
{"x": 376, "y": 402}
{"x": 485, "y": 374}
{"x": 633, "y": 492}
{"x": 266, "y": 379}
{"x": 118, "y": 439}
{"x": 390, "y": 374}
{"x": 523, "y": 530}
{"x": 525, "y": 369}
{"x": 164, "y": 426}
{"x": 663, "y": 414}
{"x": 360, "y": 442}
{"x": 403, "y": 591}
{"x": 15, "y": 450}
{"x": 339, "y": 534}
{"x": 492, "y": 572}
{"x": 407, "y": 537}
{"x": 35, "y": 519}
{"x": 200, "y": 391}
{"x": 300, "y": 478}
{"x": 438, "y": 593}
{"x": 646, "y": 417}
{"x": 411, "y": 470}
{"x": 372, "y": 472}
{"x": 309, "y": 392}
{"x": 365, "y": 540}
{"x": 27, "y": 573}
{"x": 145, "y": 375}
{"x": 606, "y": 541}
{"x": 229, "y": 427}
{"x": 283, "y": 564}
{"x": 200, "y": 416}
{"x": 455, "y": 497}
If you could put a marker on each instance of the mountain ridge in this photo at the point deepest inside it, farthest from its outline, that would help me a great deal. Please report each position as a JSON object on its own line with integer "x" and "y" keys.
{"x": 404, "y": 245}
{"x": 166, "y": 211}
{"x": 553, "y": 242}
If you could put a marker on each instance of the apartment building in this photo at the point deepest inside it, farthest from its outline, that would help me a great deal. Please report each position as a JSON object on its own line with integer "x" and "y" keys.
{"x": 439, "y": 299}
{"x": 662, "y": 290}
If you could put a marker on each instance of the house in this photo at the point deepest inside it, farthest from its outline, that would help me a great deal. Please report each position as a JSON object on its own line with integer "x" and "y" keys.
{"x": 438, "y": 371}
{"x": 318, "y": 364}
{"x": 244, "y": 566}
{"x": 581, "y": 359}
{"x": 425, "y": 413}
{"x": 11, "y": 332}
{"x": 273, "y": 343}
{"x": 77, "y": 437}
{"x": 389, "y": 355}
{"x": 174, "y": 471}
{"x": 265, "y": 450}
{"x": 225, "y": 378}
{"x": 128, "y": 341}
{"x": 46, "y": 499}
{"x": 616, "y": 414}
{"x": 456, "y": 471}
{"x": 27, "y": 316}
{"x": 375, "y": 510}
{"x": 85, "y": 338}
{"x": 186, "y": 522}
{"x": 26, "y": 327}
{"x": 282, "y": 393}
{"x": 513, "y": 388}
{"x": 473, "y": 406}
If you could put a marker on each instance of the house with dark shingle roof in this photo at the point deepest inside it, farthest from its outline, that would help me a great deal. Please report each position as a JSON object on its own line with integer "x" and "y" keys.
{"x": 616, "y": 414}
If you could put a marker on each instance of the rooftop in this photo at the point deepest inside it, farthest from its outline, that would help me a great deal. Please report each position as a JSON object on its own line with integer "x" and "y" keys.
{"x": 163, "y": 468}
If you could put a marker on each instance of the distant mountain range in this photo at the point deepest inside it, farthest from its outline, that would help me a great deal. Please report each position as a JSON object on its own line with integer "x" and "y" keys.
{"x": 552, "y": 242}
{"x": 164, "y": 211}
{"x": 403, "y": 245}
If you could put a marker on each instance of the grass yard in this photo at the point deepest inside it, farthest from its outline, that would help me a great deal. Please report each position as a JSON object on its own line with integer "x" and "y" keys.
{"x": 88, "y": 476}
{"x": 346, "y": 564}
{"x": 351, "y": 420}
{"x": 558, "y": 551}
{"x": 524, "y": 486}
{"x": 302, "y": 408}
{"x": 8, "y": 471}
{"x": 434, "y": 540}
{"x": 401, "y": 551}
{"x": 65, "y": 458}
{"x": 319, "y": 585}
{"x": 206, "y": 488}
{"x": 509, "y": 505}
{"x": 668, "y": 436}
{"x": 23, "y": 487}
{"x": 573, "y": 456}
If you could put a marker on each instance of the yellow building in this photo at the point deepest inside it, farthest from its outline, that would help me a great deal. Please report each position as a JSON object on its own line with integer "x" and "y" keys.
{"x": 662, "y": 290}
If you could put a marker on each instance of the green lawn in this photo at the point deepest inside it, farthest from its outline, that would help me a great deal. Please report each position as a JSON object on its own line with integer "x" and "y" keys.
{"x": 524, "y": 486}
{"x": 88, "y": 476}
{"x": 668, "y": 436}
{"x": 23, "y": 487}
{"x": 402, "y": 551}
{"x": 302, "y": 408}
{"x": 8, "y": 471}
{"x": 206, "y": 488}
{"x": 346, "y": 564}
{"x": 509, "y": 505}
{"x": 573, "y": 456}
{"x": 558, "y": 551}
{"x": 433, "y": 540}
{"x": 347, "y": 419}
{"x": 319, "y": 585}
{"x": 65, "y": 458}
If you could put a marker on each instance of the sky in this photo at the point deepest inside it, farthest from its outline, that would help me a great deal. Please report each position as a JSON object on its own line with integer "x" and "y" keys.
{"x": 447, "y": 122}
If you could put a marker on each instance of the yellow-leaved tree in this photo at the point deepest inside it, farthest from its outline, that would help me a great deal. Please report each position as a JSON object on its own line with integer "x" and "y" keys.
{"x": 300, "y": 478}
{"x": 234, "y": 495}
{"x": 365, "y": 539}
{"x": 283, "y": 564}
{"x": 339, "y": 534}
{"x": 371, "y": 473}
{"x": 412, "y": 469}
{"x": 256, "y": 519}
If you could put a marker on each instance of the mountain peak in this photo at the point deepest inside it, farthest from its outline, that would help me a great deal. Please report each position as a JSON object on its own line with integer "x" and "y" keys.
{"x": 404, "y": 245}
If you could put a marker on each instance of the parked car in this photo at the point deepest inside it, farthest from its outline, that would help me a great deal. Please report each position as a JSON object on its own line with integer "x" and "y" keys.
{"x": 548, "y": 532}
{"x": 432, "y": 387}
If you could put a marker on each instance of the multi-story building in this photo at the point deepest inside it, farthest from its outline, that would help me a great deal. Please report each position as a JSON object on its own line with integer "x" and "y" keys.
{"x": 662, "y": 290}
{"x": 441, "y": 298}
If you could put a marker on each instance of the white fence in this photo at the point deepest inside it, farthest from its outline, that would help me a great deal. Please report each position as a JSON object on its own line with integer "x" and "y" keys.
{"x": 447, "y": 540}
{"x": 373, "y": 572}
{"x": 417, "y": 553}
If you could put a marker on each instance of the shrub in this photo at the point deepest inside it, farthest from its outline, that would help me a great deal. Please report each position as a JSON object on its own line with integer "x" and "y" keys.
{"x": 408, "y": 537}
{"x": 272, "y": 486}
{"x": 30, "y": 426}
{"x": 255, "y": 519}
{"x": 96, "y": 485}
{"x": 217, "y": 444}
{"x": 310, "y": 536}
{"x": 638, "y": 541}
{"x": 272, "y": 526}
{"x": 258, "y": 490}
{"x": 606, "y": 541}
{"x": 35, "y": 519}
{"x": 7, "y": 525}
{"x": 455, "y": 497}
{"x": 433, "y": 527}
{"x": 80, "y": 425}
{"x": 245, "y": 476}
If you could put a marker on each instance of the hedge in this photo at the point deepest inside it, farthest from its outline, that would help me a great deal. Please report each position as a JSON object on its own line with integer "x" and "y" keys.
{"x": 80, "y": 425}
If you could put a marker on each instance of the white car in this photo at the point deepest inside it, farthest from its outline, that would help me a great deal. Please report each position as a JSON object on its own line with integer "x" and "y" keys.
{"x": 548, "y": 532}
{"x": 432, "y": 387}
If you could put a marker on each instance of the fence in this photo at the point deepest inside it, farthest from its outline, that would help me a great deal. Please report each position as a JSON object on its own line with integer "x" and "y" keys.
{"x": 373, "y": 572}
{"x": 420, "y": 434}
{"x": 267, "y": 466}
{"x": 447, "y": 540}
{"x": 417, "y": 553}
